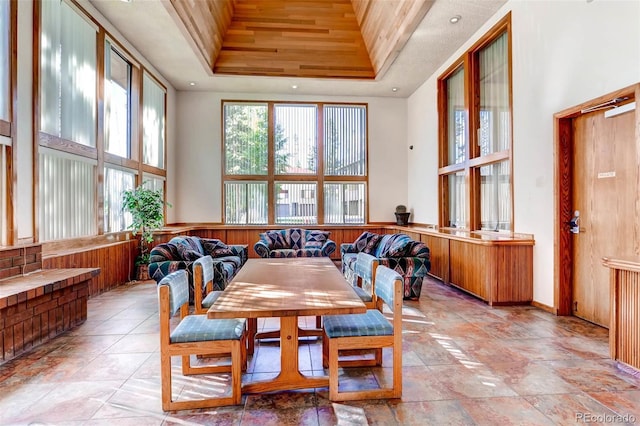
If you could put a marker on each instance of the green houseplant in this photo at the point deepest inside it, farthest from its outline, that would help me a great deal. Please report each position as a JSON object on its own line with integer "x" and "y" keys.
{"x": 147, "y": 212}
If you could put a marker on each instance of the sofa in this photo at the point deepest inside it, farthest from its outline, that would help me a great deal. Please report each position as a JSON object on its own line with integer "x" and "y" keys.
{"x": 399, "y": 252}
{"x": 180, "y": 253}
{"x": 294, "y": 242}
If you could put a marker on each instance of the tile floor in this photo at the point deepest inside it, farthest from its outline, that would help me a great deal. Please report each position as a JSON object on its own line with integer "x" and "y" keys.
{"x": 464, "y": 363}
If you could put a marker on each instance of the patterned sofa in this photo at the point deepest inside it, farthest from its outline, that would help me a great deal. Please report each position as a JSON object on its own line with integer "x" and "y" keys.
{"x": 397, "y": 251}
{"x": 294, "y": 242}
{"x": 180, "y": 253}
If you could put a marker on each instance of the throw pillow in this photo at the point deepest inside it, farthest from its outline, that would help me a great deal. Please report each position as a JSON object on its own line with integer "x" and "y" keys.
{"x": 396, "y": 246}
{"x": 276, "y": 240}
{"x": 216, "y": 248}
{"x": 367, "y": 242}
{"x": 187, "y": 254}
{"x": 316, "y": 239}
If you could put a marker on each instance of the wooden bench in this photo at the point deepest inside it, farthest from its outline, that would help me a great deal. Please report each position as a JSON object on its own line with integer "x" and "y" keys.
{"x": 37, "y": 305}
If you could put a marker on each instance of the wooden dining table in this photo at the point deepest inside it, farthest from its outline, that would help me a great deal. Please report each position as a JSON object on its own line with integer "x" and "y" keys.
{"x": 287, "y": 288}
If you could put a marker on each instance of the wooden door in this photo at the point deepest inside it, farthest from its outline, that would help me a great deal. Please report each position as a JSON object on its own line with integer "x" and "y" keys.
{"x": 605, "y": 192}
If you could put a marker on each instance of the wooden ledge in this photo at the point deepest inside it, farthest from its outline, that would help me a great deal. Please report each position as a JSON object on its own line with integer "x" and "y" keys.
{"x": 29, "y": 286}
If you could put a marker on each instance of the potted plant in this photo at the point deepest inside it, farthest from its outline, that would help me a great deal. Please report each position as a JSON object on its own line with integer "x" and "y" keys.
{"x": 147, "y": 212}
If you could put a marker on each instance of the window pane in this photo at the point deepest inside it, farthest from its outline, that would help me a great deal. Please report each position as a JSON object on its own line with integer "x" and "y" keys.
{"x": 495, "y": 116}
{"x": 4, "y": 163}
{"x": 153, "y": 113}
{"x": 67, "y": 74}
{"x": 296, "y": 203}
{"x": 67, "y": 197}
{"x": 495, "y": 197}
{"x": 456, "y": 123}
{"x": 115, "y": 183}
{"x": 5, "y": 35}
{"x": 344, "y": 202}
{"x": 152, "y": 182}
{"x": 457, "y": 200}
{"x": 246, "y": 203}
{"x": 246, "y": 135}
{"x": 117, "y": 103}
{"x": 345, "y": 136}
{"x": 296, "y": 139}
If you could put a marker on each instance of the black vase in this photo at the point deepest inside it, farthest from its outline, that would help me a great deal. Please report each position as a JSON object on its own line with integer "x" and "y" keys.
{"x": 402, "y": 219}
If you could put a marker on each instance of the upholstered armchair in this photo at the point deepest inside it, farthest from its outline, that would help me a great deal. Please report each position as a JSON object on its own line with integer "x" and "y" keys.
{"x": 410, "y": 258}
{"x": 180, "y": 253}
{"x": 294, "y": 242}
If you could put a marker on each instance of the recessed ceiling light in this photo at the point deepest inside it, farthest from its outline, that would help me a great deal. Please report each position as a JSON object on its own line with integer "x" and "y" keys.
{"x": 394, "y": 89}
{"x": 455, "y": 19}
{"x": 192, "y": 83}
{"x": 294, "y": 86}
{"x": 126, "y": 1}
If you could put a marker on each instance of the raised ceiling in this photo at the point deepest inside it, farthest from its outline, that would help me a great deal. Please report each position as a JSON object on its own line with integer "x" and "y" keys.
{"x": 409, "y": 49}
{"x": 355, "y": 39}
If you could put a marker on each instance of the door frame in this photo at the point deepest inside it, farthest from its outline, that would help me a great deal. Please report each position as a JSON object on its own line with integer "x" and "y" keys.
{"x": 563, "y": 197}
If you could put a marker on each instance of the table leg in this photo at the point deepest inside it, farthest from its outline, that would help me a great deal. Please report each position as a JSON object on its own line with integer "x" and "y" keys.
{"x": 290, "y": 376}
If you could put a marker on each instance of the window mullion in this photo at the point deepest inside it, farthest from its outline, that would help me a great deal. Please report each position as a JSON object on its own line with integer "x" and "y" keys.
{"x": 271, "y": 163}
{"x": 320, "y": 164}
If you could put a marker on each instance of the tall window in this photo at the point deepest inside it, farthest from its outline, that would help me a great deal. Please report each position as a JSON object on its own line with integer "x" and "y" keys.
{"x": 73, "y": 159}
{"x": 153, "y": 116}
{"x": 117, "y": 94}
{"x": 6, "y": 30}
{"x": 475, "y": 136}
{"x": 308, "y": 167}
{"x": 5, "y": 60}
{"x": 67, "y": 73}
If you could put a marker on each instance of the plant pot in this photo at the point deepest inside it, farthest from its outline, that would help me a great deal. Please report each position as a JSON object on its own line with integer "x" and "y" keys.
{"x": 142, "y": 273}
{"x": 402, "y": 219}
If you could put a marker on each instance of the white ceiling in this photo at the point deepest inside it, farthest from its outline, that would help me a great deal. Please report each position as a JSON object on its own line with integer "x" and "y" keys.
{"x": 150, "y": 28}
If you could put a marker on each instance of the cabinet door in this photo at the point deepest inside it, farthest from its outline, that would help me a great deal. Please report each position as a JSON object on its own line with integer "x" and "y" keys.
{"x": 439, "y": 252}
{"x": 469, "y": 265}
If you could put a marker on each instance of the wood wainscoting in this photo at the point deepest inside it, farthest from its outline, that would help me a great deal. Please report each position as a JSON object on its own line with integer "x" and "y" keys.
{"x": 624, "y": 313}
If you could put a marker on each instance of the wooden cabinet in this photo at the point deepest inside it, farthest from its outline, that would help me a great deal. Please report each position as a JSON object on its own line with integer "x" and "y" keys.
{"x": 624, "y": 315}
{"x": 496, "y": 267}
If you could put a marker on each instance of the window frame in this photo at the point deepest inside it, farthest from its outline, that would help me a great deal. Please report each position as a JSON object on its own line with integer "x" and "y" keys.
{"x": 474, "y": 160}
{"x": 271, "y": 178}
{"x": 8, "y": 131}
{"x": 133, "y": 163}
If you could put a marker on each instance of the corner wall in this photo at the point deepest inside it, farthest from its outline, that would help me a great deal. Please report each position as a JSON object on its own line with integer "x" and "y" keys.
{"x": 564, "y": 53}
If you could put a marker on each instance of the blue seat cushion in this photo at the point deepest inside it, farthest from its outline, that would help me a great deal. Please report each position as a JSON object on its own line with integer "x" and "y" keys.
{"x": 372, "y": 323}
{"x": 362, "y": 294}
{"x": 210, "y": 299}
{"x": 198, "y": 328}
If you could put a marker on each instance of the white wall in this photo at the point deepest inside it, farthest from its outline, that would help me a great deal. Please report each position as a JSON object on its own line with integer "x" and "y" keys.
{"x": 564, "y": 53}
{"x": 198, "y": 185}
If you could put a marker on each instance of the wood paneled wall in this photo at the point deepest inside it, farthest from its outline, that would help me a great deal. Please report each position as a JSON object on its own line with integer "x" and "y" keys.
{"x": 116, "y": 263}
{"x": 386, "y": 26}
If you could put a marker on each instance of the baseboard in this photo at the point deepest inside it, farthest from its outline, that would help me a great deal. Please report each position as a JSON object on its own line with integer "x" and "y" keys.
{"x": 544, "y": 307}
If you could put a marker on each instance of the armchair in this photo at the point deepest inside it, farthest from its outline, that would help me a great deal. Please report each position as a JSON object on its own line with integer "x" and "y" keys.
{"x": 181, "y": 252}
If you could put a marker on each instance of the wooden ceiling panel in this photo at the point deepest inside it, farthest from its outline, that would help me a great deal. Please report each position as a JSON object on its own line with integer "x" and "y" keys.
{"x": 312, "y": 38}
{"x": 387, "y": 25}
{"x": 206, "y": 22}
{"x": 353, "y": 39}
